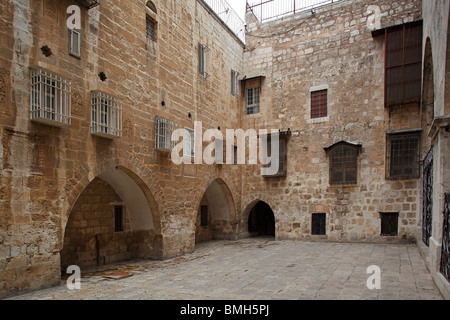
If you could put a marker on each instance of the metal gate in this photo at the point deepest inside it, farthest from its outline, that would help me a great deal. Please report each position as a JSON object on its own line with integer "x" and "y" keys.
{"x": 445, "y": 255}
{"x": 427, "y": 210}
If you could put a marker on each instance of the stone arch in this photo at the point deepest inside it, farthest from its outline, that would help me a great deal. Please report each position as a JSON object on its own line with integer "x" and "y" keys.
{"x": 249, "y": 210}
{"x": 137, "y": 196}
{"x": 217, "y": 203}
{"x": 150, "y": 5}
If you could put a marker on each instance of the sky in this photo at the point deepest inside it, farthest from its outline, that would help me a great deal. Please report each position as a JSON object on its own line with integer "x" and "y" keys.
{"x": 239, "y": 7}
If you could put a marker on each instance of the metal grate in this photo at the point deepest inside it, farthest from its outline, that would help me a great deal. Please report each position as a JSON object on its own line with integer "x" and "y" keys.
{"x": 403, "y": 64}
{"x": 252, "y": 100}
{"x": 226, "y": 13}
{"x": 343, "y": 164}
{"x": 389, "y": 223}
{"x": 150, "y": 30}
{"x": 427, "y": 195}
{"x": 318, "y": 224}
{"x": 50, "y": 98}
{"x": 319, "y": 104}
{"x": 106, "y": 115}
{"x": 265, "y": 10}
{"x": 445, "y": 255}
{"x": 163, "y": 134}
{"x": 403, "y": 155}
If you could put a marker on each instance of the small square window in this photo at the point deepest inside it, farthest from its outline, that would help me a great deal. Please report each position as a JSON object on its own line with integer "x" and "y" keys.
{"x": 319, "y": 104}
{"x": 389, "y": 223}
{"x": 319, "y": 224}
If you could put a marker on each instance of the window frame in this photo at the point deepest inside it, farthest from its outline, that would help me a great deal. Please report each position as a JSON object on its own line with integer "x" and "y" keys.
{"x": 344, "y": 164}
{"x": 283, "y": 152}
{"x": 106, "y": 115}
{"x": 202, "y": 60}
{"x": 319, "y": 110}
{"x": 321, "y": 229}
{"x": 391, "y": 163}
{"x": 77, "y": 51}
{"x": 404, "y": 64}
{"x": 385, "y": 224}
{"x": 163, "y": 134}
{"x": 151, "y": 33}
{"x": 254, "y": 106}
{"x": 189, "y": 144}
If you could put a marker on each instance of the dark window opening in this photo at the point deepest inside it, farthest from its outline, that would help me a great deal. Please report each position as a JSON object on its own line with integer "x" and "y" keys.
{"x": 403, "y": 64}
{"x": 318, "y": 224}
{"x": 344, "y": 164}
{"x": 389, "y": 223}
{"x": 403, "y": 155}
{"x": 282, "y": 156}
{"x": 150, "y": 30}
{"x": 319, "y": 104}
{"x": 118, "y": 219}
{"x": 203, "y": 216}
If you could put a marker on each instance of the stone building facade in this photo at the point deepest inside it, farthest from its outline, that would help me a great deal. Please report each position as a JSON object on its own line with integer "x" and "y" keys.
{"x": 87, "y": 115}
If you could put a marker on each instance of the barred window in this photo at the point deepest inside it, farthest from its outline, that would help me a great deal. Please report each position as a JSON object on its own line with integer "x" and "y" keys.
{"x": 389, "y": 223}
{"x": 106, "y": 115}
{"x": 403, "y": 155}
{"x": 163, "y": 134}
{"x": 343, "y": 159}
{"x": 282, "y": 155}
{"x": 319, "y": 104}
{"x": 252, "y": 100}
{"x": 403, "y": 63}
{"x": 50, "y": 98}
{"x": 150, "y": 30}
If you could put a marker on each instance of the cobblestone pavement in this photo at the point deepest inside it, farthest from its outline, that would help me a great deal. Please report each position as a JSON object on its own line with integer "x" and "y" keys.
{"x": 261, "y": 269}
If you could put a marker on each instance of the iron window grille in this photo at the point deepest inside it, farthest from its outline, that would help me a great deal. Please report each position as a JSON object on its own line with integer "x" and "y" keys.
{"x": 150, "y": 29}
{"x": 427, "y": 198}
{"x": 445, "y": 255}
{"x": 319, "y": 104}
{"x": 75, "y": 43}
{"x": 403, "y": 155}
{"x": 318, "y": 224}
{"x": 389, "y": 223}
{"x": 50, "y": 98}
{"x": 252, "y": 98}
{"x": 163, "y": 134}
{"x": 403, "y": 74}
{"x": 343, "y": 159}
{"x": 106, "y": 115}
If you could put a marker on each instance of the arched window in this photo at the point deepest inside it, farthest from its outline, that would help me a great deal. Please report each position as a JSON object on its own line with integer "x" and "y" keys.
{"x": 151, "y": 6}
{"x": 343, "y": 159}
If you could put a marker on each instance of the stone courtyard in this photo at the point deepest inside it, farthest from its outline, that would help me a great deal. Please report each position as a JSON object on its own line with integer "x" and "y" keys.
{"x": 260, "y": 269}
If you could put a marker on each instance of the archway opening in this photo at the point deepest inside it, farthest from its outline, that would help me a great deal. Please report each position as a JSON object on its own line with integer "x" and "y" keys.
{"x": 261, "y": 221}
{"x": 111, "y": 221}
{"x": 215, "y": 214}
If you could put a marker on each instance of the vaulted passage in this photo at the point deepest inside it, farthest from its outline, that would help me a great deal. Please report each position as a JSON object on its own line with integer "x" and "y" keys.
{"x": 215, "y": 213}
{"x": 261, "y": 221}
{"x": 111, "y": 221}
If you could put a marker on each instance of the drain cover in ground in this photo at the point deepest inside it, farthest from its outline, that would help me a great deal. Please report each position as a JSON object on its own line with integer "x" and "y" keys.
{"x": 118, "y": 276}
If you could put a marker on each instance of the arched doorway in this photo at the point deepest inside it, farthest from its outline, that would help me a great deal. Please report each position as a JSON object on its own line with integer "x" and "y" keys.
{"x": 111, "y": 221}
{"x": 215, "y": 214}
{"x": 261, "y": 221}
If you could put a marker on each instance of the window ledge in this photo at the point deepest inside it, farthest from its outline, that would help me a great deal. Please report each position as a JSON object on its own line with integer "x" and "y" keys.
{"x": 318, "y": 120}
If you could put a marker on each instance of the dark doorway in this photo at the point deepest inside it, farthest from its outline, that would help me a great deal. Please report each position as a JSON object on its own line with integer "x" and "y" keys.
{"x": 261, "y": 221}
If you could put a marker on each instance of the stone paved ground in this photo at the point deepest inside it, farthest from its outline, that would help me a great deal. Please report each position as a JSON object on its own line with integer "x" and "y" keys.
{"x": 262, "y": 269}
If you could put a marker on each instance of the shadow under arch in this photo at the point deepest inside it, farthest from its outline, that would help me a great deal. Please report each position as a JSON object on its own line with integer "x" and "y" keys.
{"x": 114, "y": 218}
{"x": 258, "y": 219}
{"x": 216, "y": 215}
